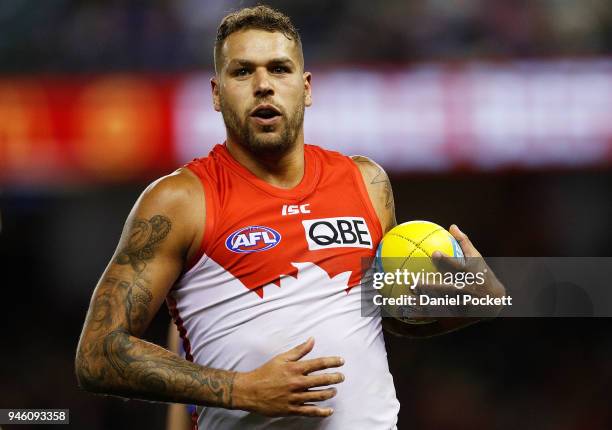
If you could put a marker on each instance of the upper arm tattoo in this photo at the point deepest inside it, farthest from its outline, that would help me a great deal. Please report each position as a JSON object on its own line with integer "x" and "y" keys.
{"x": 380, "y": 179}
{"x": 129, "y": 290}
{"x": 143, "y": 237}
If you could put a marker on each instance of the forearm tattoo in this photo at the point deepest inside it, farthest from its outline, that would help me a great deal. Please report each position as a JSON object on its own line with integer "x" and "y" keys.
{"x": 112, "y": 360}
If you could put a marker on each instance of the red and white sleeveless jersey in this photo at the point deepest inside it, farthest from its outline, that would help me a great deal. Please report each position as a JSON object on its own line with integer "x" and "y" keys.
{"x": 278, "y": 266}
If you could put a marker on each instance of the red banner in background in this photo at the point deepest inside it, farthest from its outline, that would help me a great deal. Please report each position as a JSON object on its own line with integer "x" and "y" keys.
{"x": 424, "y": 118}
{"x": 108, "y": 128}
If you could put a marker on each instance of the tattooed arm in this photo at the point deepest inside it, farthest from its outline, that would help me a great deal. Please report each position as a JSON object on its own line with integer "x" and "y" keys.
{"x": 379, "y": 189}
{"x": 159, "y": 236}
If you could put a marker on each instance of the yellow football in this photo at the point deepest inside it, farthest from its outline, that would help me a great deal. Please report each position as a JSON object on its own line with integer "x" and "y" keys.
{"x": 408, "y": 247}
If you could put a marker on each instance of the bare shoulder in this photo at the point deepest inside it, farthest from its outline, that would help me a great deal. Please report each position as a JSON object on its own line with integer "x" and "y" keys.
{"x": 181, "y": 187}
{"x": 379, "y": 189}
{"x": 180, "y": 196}
{"x": 369, "y": 169}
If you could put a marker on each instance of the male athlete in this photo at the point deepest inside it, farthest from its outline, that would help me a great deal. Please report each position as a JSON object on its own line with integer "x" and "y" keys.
{"x": 257, "y": 250}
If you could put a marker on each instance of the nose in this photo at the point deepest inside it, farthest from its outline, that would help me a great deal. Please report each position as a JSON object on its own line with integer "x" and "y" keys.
{"x": 263, "y": 86}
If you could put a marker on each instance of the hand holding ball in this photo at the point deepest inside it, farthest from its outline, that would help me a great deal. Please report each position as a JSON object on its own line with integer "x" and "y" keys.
{"x": 409, "y": 247}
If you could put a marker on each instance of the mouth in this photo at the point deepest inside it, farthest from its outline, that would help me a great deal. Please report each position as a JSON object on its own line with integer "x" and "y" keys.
{"x": 266, "y": 114}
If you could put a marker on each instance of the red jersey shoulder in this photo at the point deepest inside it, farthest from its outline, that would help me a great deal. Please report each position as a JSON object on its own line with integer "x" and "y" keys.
{"x": 328, "y": 156}
{"x": 207, "y": 166}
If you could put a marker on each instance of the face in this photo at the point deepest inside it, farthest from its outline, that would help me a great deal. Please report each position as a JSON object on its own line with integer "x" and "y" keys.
{"x": 261, "y": 91}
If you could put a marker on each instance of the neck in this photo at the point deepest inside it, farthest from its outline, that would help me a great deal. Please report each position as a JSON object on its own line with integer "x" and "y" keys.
{"x": 284, "y": 170}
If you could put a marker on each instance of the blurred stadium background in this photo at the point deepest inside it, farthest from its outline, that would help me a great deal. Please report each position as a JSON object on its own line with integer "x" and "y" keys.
{"x": 493, "y": 114}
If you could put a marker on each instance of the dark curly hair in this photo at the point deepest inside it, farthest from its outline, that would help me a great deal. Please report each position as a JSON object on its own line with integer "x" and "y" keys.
{"x": 260, "y": 18}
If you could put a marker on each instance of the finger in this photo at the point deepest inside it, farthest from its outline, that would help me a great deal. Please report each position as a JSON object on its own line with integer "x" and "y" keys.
{"x": 444, "y": 263}
{"x": 314, "y": 396}
{"x": 311, "y": 411}
{"x": 313, "y": 381}
{"x": 309, "y": 366}
{"x": 466, "y": 245}
{"x": 299, "y": 351}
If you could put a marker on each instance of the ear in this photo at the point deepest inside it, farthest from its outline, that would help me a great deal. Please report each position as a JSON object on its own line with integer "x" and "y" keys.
{"x": 307, "y": 88}
{"x": 214, "y": 85}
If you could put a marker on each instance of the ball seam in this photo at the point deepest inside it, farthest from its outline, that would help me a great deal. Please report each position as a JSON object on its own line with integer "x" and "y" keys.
{"x": 416, "y": 244}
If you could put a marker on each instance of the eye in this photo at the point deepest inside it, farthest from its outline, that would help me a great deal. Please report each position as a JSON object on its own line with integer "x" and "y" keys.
{"x": 280, "y": 69}
{"x": 243, "y": 71}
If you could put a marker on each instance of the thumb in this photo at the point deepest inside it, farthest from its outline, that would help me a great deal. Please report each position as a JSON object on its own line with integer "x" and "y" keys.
{"x": 294, "y": 354}
{"x": 466, "y": 245}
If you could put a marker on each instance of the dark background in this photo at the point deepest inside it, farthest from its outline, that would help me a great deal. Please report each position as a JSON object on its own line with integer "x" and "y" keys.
{"x": 501, "y": 374}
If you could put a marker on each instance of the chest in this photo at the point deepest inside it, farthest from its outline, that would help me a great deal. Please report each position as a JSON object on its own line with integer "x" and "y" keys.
{"x": 258, "y": 237}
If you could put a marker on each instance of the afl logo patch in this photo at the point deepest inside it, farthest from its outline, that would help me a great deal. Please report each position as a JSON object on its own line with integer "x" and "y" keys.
{"x": 254, "y": 238}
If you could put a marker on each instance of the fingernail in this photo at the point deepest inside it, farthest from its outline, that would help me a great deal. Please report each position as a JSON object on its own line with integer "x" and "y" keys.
{"x": 458, "y": 229}
{"x": 330, "y": 411}
{"x": 341, "y": 360}
{"x": 436, "y": 254}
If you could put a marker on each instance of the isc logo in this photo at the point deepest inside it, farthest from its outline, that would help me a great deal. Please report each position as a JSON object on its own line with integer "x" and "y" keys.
{"x": 254, "y": 238}
{"x": 295, "y": 209}
{"x": 341, "y": 232}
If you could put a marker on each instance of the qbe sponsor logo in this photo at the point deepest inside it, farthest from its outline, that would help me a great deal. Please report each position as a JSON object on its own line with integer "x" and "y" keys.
{"x": 254, "y": 238}
{"x": 339, "y": 232}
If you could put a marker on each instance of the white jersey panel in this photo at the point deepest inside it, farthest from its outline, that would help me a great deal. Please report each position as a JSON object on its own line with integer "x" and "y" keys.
{"x": 231, "y": 327}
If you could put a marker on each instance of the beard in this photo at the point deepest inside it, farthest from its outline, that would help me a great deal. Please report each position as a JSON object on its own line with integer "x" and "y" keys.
{"x": 263, "y": 140}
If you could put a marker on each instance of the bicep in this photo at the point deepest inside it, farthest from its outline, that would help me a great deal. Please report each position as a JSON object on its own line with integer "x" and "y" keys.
{"x": 379, "y": 190}
{"x": 140, "y": 273}
{"x": 148, "y": 260}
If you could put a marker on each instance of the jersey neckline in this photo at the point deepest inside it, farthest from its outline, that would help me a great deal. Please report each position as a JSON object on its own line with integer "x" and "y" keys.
{"x": 306, "y": 186}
